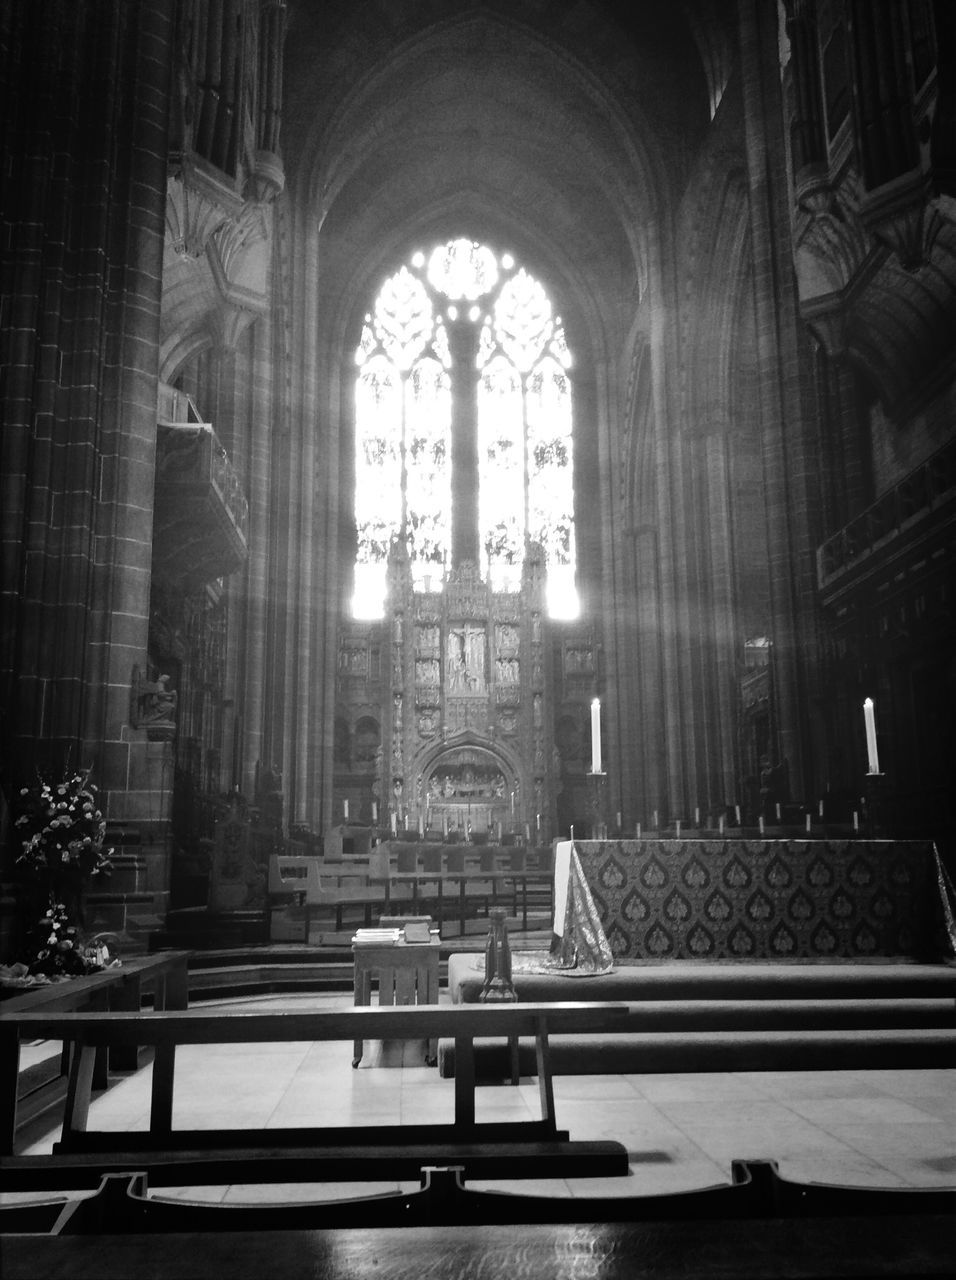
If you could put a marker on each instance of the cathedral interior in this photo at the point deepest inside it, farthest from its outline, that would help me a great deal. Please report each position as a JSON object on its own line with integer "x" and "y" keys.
{"x": 483, "y": 423}
{"x": 603, "y": 351}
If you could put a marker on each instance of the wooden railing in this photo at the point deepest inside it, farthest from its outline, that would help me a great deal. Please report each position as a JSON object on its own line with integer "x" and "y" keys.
{"x": 385, "y": 1151}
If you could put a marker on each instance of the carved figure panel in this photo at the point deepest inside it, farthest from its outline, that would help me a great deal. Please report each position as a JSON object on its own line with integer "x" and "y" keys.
{"x": 465, "y": 660}
{"x": 153, "y": 706}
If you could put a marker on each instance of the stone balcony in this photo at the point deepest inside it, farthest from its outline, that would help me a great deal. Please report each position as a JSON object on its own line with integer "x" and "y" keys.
{"x": 914, "y": 518}
{"x": 201, "y": 511}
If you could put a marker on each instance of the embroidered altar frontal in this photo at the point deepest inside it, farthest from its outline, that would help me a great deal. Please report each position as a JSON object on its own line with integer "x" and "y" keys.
{"x": 766, "y": 899}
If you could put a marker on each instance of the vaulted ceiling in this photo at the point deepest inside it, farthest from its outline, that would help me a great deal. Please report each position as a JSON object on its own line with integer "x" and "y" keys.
{"x": 559, "y": 131}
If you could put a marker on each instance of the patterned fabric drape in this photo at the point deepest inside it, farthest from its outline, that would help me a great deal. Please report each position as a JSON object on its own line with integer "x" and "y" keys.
{"x": 770, "y": 899}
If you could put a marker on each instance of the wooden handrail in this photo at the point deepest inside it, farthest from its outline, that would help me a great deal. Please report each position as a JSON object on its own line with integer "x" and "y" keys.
{"x": 396, "y": 1022}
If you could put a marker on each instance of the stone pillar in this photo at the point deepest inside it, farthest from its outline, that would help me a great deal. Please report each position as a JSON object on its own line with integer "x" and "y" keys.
{"x": 722, "y": 679}
{"x": 787, "y": 456}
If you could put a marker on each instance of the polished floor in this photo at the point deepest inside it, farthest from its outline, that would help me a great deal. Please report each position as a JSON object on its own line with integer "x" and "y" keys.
{"x": 851, "y": 1128}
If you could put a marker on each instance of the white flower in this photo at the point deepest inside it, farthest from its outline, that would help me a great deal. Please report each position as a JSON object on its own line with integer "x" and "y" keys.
{"x": 51, "y": 940}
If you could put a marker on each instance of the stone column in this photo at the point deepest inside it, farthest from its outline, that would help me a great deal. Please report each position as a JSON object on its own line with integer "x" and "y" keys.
{"x": 787, "y": 457}
{"x": 119, "y": 614}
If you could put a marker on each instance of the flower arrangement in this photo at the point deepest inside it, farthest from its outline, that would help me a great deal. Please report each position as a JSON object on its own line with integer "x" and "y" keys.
{"x": 55, "y": 949}
{"x": 61, "y": 831}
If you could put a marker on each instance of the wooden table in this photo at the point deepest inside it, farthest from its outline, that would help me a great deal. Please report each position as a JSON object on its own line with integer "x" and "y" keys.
{"x": 407, "y": 974}
{"x": 119, "y": 989}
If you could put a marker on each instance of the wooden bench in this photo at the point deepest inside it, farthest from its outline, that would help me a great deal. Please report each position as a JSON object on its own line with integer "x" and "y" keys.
{"x": 512, "y": 1148}
{"x": 119, "y": 989}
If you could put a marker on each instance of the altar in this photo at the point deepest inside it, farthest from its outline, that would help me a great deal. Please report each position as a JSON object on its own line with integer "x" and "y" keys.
{"x": 769, "y": 899}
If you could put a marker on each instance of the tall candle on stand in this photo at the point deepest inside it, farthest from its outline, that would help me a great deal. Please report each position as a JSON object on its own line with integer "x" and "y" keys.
{"x": 869, "y": 717}
{"x": 595, "y": 735}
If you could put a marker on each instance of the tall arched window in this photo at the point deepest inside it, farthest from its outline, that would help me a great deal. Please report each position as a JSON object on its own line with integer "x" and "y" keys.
{"x": 463, "y": 365}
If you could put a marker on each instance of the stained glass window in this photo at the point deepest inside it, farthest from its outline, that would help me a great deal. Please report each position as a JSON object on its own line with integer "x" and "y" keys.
{"x": 405, "y": 390}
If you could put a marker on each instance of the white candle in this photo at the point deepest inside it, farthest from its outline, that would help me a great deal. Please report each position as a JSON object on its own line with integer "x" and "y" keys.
{"x": 444, "y": 824}
{"x": 655, "y": 819}
{"x": 345, "y": 810}
{"x": 527, "y": 832}
{"x": 537, "y": 821}
{"x": 596, "y": 735}
{"x": 808, "y": 824}
{"x": 778, "y": 813}
{"x": 421, "y": 825}
{"x": 760, "y": 823}
{"x": 697, "y": 817}
{"x": 618, "y": 819}
{"x": 737, "y": 813}
{"x": 394, "y": 820}
{"x": 512, "y": 802}
{"x": 856, "y": 821}
{"x": 638, "y": 831}
{"x": 678, "y": 828}
{"x": 572, "y": 833}
{"x": 820, "y": 809}
{"x": 869, "y": 716}
{"x": 720, "y": 823}
{"x": 375, "y": 811}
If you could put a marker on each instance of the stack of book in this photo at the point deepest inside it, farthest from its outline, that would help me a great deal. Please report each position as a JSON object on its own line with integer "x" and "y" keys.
{"x": 376, "y": 937}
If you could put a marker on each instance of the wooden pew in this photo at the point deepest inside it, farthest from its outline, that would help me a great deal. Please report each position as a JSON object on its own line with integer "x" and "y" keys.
{"x": 513, "y": 1148}
{"x": 118, "y": 989}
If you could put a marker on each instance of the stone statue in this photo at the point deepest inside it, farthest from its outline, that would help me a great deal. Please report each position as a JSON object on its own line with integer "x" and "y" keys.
{"x": 153, "y": 705}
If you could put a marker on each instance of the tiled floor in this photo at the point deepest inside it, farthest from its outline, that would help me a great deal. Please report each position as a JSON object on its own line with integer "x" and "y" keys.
{"x": 859, "y": 1128}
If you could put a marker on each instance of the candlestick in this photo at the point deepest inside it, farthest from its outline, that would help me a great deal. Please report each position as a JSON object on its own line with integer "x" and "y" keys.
{"x": 596, "y": 735}
{"x": 869, "y": 717}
